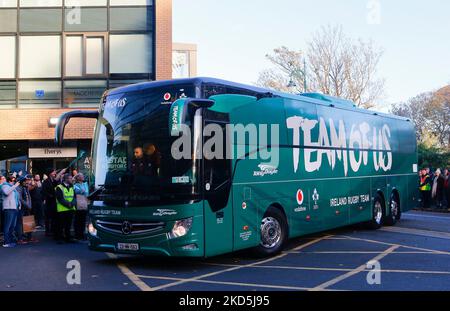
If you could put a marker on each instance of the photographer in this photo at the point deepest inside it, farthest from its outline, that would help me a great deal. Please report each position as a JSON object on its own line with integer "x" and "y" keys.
{"x": 11, "y": 206}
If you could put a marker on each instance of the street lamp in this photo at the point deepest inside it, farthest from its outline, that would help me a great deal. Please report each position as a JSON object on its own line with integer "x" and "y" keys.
{"x": 297, "y": 72}
{"x": 52, "y": 122}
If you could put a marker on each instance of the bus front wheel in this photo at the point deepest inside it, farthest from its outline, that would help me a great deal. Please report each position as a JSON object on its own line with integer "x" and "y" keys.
{"x": 273, "y": 233}
{"x": 378, "y": 213}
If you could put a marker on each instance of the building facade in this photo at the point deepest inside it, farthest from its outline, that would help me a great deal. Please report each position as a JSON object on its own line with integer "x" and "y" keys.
{"x": 60, "y": 55}
{"x": 184, "y": 60}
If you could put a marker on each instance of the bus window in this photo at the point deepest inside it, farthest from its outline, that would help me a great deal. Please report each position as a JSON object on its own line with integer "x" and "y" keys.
{"x": 217, "y": 170}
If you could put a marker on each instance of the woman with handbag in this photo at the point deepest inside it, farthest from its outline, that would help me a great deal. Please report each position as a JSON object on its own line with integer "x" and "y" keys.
{"x": 81, "y": 192}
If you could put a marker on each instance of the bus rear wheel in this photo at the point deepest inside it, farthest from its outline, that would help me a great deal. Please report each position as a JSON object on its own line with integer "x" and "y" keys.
{"x": 273, "y": 233}
{"x": 394, "y": 211}
{"x": 378, "y": 214}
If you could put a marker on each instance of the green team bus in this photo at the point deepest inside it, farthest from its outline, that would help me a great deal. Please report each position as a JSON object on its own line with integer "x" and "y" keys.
{"x": 324, "y": 164}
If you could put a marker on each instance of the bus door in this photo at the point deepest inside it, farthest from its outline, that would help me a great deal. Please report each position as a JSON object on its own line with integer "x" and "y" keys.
{"x": 216, "y": 183}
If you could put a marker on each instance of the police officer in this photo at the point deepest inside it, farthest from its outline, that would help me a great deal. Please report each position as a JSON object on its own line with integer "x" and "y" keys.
{"x": 425, "y": 188}
{"x": 65, "y": 208}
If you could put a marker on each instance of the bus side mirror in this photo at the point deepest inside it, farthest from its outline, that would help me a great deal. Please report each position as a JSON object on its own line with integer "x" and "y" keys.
{"x": 64, "y": 120}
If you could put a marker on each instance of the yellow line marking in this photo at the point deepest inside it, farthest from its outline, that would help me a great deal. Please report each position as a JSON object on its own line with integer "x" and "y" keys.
{"x": 402, "y": 245}
{"x": 238, "y": 267}
{"x": 426, "y": 233}
{"x": 130, "y": 275}
{"x": 354, "y": 271}
{"x": 335, "y": 269}
{"x": 225, "y": 283}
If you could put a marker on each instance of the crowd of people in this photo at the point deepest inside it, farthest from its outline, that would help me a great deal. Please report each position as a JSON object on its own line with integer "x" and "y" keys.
{"x": 57, "y": 203}
{"x": 435, "y": 188}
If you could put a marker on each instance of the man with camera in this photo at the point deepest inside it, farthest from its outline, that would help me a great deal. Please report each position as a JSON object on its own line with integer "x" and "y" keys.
{"x": 11, "y": 207}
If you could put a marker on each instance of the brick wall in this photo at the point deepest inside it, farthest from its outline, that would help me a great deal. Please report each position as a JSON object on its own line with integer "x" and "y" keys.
{"x": 163, "y": 39}
{"x": 32, "y": 124}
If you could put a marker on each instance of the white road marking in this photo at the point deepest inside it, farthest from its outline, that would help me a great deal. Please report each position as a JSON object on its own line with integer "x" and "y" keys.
{"x": 238, "y": 267}
{"x": 426, "y": 233}
{"x": 354, "y": 271}
{"x": 426, "y": 216}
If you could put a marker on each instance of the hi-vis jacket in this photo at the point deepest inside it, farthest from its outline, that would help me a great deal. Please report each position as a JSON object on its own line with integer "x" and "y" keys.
{"x": 65, "y": 198}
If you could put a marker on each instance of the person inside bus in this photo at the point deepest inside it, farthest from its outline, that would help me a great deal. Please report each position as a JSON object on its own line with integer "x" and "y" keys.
{"x": 138, "y": 162}
{"x": 152, "y": 159}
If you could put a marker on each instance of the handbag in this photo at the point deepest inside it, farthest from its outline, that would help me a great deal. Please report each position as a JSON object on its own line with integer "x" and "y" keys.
{"x": 29, "y": 224}
{"x": 82, "y": 202}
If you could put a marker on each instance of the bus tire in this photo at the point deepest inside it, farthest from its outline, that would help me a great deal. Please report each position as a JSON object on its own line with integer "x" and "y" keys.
{"x": 273, "y": 233}
{"x": 378, "y": 213}
{"x": 393, "y": 211}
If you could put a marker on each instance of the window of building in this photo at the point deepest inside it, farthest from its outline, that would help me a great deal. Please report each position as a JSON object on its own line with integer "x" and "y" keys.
{"x": 7, "y": 94}
{"x": 86, "y": 19}
{"x": 75, "y": 3}
{"x": 131, "y": 19}
{"x": 85, "y": 55}
{"x": 8, "y": 57}
{"x": 40, "y": 20}
{"x": 83, "y": 94}
{"x": 118, "y": 83}
{"x": 40, "y": 57}
{"x": 130, "y": 2}
{"x": 40, "y": 3}
{"x": 8, "y": 4}
{"x": 95, "y": 56}
{"x": 8, "y": 20}
{"x": 180, "y": 67}
{"x": 130, "y": 54}
{"x": 39, "y": 94}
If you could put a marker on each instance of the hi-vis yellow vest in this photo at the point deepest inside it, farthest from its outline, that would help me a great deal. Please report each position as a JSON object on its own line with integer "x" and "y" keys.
{"x": 426, "y": 187}
{"x": 69, "y": 196}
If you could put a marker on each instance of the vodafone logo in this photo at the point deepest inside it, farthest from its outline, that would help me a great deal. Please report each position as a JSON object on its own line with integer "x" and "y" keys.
{"x": 300, "y": 197}
{"x": 167, "y": 96}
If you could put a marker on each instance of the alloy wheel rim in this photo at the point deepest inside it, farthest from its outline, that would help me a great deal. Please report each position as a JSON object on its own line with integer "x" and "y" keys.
{"x": 378, "y": 212}
{"x": 270, "y": 232}
{"x": 394, "y": 209}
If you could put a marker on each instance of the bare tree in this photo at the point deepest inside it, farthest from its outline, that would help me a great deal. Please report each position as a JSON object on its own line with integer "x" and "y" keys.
{"x": 288, "y": 76}
{"x": 345, "y": 68}
{"x": 337, "y": 66}
{"x": 430, "y": 112}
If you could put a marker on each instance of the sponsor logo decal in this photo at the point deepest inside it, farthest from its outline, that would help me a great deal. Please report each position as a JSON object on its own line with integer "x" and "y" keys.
{"x": 315, "y": 198}
{"x": 300, "y": 197}
{"x": 167, "y": 97}
{"x": 265, "y": 169}
{"x": 165, "y": 212}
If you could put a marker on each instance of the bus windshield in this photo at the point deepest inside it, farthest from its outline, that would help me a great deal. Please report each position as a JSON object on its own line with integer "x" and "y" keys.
{"x": 132, "y": 149}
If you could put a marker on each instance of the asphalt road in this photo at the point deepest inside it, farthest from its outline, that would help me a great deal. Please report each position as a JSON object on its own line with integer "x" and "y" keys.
{"x": 414, "y": 255}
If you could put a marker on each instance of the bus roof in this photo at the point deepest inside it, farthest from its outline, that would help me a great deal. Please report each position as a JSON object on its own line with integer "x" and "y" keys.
{"x": 316, "y": 98}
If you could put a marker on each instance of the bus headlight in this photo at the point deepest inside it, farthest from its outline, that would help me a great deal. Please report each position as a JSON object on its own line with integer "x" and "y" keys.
{"x": 180, "y": 228}
{"x": 91, "y": 229}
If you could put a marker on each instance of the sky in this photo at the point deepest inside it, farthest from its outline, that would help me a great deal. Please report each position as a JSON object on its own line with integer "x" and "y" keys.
{"x": 233, "y": 36}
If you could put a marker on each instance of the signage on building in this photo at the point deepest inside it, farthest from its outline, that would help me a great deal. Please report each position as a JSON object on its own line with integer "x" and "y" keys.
{"x": 40, "y": 153}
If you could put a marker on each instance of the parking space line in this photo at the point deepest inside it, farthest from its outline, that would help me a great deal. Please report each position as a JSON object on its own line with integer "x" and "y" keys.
{"x": 363, "y": 253}
{"x": 338, "y": 269}
{"x": 226, "y": 283}
{"x": 361, "y": 268}
{"x": 238, "y": 267}
{"x": 402, "y": 245}
{"x": 130, "y": 275}
{"x": 287, "y": 267}
{"x": 426, "y": 233}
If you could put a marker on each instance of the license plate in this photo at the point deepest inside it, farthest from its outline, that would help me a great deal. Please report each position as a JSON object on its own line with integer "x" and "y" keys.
{"x": 127, "y": 247}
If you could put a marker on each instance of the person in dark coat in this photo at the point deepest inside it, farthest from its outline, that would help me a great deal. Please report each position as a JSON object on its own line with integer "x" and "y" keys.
{"x": 49, "y": 197}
